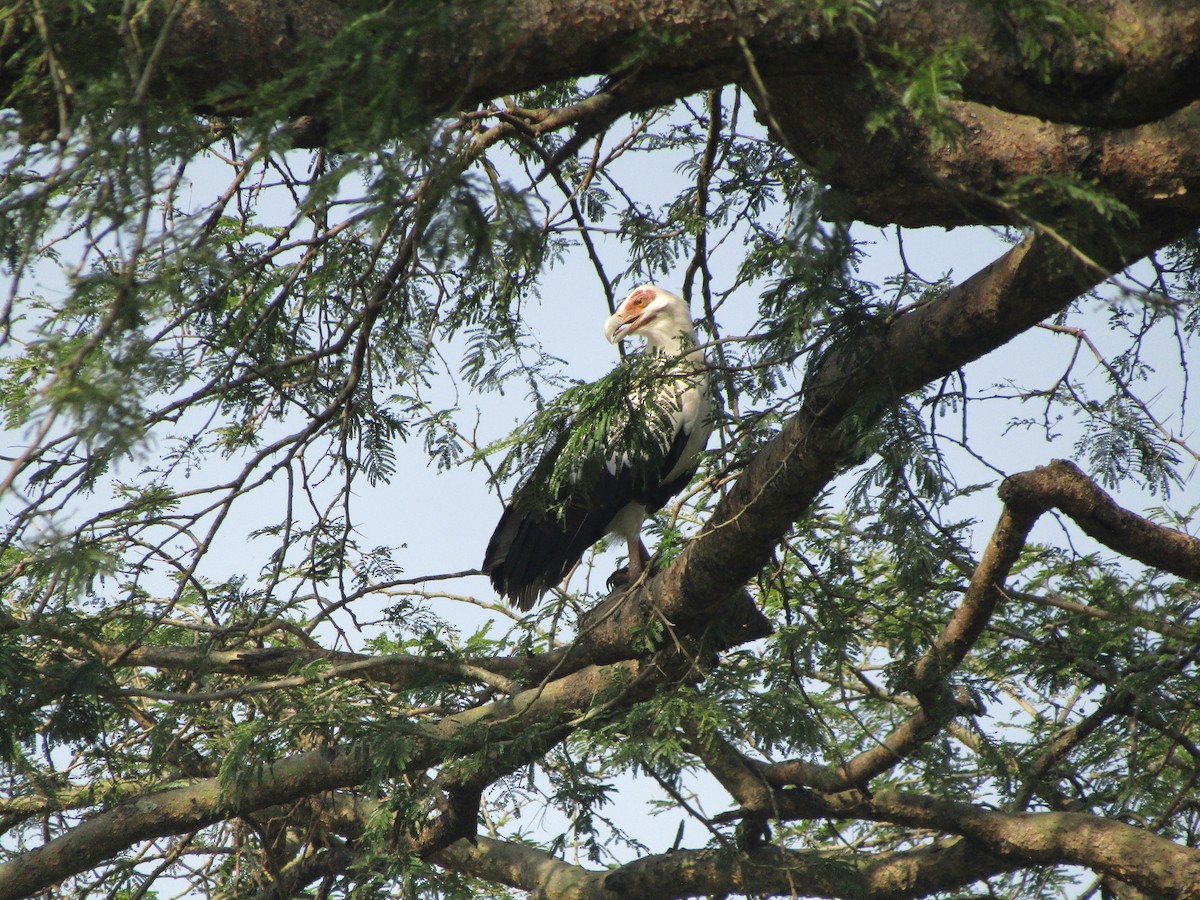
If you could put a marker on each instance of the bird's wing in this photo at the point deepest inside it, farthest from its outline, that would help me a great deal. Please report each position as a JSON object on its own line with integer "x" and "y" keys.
{"x": 536, "y": 544}
{"x": 545, "y": 530}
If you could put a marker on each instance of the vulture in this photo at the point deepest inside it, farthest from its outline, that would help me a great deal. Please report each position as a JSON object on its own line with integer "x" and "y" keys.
{"x": 539, "y": 540}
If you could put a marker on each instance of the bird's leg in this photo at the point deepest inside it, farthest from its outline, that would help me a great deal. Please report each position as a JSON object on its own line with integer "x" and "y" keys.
{"x": 639, "y": 558}
{"x": 629, "y": 575}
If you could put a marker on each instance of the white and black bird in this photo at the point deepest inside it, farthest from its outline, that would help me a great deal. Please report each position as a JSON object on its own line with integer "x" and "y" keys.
{"x": 538, "y": 542}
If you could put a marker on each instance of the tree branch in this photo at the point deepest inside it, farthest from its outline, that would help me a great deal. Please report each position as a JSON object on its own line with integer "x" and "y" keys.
{"x": 769, "y": 871}
{"x": 1122, "y": 851}
{"x": 823, "y": 80}
{"x": 1134, "y": 855}
{"x": 1142, "y": 63}
{"x": 1061, "y": 485}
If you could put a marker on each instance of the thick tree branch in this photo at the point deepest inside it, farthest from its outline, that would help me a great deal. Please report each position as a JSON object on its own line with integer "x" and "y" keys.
{"x": 1122, "y": 851}
{"x": 770, "y": 871}
{"x": 823, "y": 81}
{"x": 1001, "y": 168}
{"x": 1142, "y": 64}
{"x": 1134, "y": 855}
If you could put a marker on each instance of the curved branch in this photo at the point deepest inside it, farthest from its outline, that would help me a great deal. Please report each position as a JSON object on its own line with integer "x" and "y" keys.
{"x": 1130, "y": 854}
{"x": 949, "y": 649}
{"x": 1026, "y": 496}
{"x": 750, "y": 782}
{"x": 1061, "y": 485}
{"x": 1127, "y": 853}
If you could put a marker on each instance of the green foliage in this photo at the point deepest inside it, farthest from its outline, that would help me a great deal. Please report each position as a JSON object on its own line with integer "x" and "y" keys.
{"x": 923, "y": 80}
{"x": 849, "y": 12}
{"x": 1122, "y": 443}
{"x": 370, "y": 49}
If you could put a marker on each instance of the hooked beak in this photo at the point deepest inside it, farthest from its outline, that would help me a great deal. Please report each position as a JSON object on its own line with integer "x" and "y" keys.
{"x": 617, "y": 328}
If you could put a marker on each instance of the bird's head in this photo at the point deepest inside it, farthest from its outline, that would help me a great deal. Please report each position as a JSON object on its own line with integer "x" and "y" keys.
{"x": 657, "y": 315}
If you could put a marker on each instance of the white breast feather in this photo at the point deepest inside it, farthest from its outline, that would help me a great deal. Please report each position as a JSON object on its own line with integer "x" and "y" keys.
{"x": 687, "y": 409}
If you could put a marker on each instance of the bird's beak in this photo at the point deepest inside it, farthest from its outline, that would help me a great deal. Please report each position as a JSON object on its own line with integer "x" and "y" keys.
{"x": 617, "y": 328}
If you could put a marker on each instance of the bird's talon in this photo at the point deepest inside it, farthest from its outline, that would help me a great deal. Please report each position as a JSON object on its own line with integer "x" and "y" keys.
{"x": 618, "y": 579}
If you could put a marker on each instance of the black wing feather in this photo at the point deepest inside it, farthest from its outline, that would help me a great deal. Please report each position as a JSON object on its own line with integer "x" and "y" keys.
{"x": 532, "y": 549}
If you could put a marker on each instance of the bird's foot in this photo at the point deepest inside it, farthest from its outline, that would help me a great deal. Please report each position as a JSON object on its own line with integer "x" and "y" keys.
{"x": 621, "y": 577}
